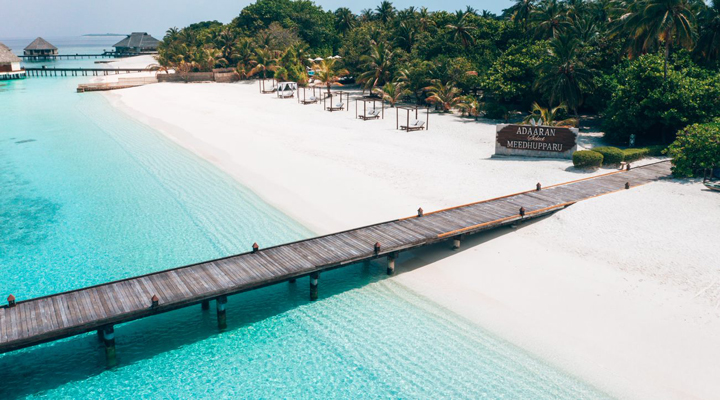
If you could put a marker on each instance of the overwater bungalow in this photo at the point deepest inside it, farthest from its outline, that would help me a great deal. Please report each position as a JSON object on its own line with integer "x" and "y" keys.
{"x": 137, "y": 42}
{"x": 40, "y": 48}
{"x": 9, "y": 64}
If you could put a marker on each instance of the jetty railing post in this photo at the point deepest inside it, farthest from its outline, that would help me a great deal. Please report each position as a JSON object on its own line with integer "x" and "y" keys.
{"x": 108, "y": 335}
{"x": 221, "y": 314}
{"x": 314, "y": 285}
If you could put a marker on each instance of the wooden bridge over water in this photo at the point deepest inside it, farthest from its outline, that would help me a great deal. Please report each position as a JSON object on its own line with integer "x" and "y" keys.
{"x": 81, "y": 71}
{"x": 25, "y": 323}
{"x": 107, "y": 54}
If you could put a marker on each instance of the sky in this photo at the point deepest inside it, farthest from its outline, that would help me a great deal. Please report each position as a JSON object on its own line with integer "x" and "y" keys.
{"x": 48, "y": 18}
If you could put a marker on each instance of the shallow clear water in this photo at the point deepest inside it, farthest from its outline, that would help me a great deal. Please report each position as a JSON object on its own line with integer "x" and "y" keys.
{"x": 89, "y": 195}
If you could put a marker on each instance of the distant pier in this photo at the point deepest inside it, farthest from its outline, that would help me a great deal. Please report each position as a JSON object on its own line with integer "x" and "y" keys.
{"x": 107, "y": 54}
{"x": 81, "y": 71}
{"x": 12, "y": 75}
{"x": 28, "y": 322}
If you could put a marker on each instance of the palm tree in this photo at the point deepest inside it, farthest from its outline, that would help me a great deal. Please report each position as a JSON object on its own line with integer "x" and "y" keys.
{"x": 345, "y": 20}
{"x": 520, "y": 12}
{"x": 461, "y": 29}
{"x": 650, "y": 23}
{"x": 708, "y": 43}
{"x": 563, "y": 76}
{"x": 407, "y": 14}
{"x": 392, "y": 92}
{"x": 405, "y": 36}
{"x": 262, "y": 61}
{"x": 226, "y": 41}
{"x": 585, "y": 28}
{"x": 171, "y": 34}
{"x": 424, "y": 19}
{"x": 367, "y": 15}
{"x": 550, "y": 18}
{"x": 329, "y": 72}
{"x": 470, "y": 105}
{"x": 414, "y": 80}
{"x": 444, "y": 96}
{"x": 548, "y": 116}
{"x": 377, "y": 65}
{"x": 385, "y": 11}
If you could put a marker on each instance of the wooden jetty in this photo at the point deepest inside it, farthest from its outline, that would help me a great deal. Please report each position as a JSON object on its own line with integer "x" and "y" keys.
{"x": 25, "y": 323}
{"x": 107, "y": 54}
{"x": 81, "y": 71}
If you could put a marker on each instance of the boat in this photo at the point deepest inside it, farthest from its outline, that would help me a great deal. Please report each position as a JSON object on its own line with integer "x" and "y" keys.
{"x": 712, "y": 186}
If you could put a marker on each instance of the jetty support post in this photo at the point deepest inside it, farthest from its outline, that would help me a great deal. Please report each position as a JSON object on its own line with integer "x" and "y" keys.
{"x": 391, "y": 263}
{"x": 314, "y": 285}
{"x": 456, "y": 242}
{"x": 220, "y": 303}
{"x": 205, "y": 305}
{"x": 108, "y": 336}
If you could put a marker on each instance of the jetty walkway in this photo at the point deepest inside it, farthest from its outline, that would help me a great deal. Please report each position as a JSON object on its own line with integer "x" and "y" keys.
{"x": 29, "y": 322}
{"x": 107, "y": 54}
{"x": 80, "y": 71}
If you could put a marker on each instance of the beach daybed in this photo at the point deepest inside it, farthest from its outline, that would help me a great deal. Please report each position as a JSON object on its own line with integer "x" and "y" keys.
{"x": 311, "y": 100}
{"x": 713, "y": 186}
{"x": 372, "y": 114}
{"x": 286, "y": 90}
{"x": 415, "y": 125}
{"x": 337, "y": 107}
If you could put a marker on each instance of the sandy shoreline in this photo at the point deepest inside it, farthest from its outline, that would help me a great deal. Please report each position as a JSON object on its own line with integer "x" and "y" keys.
{"x": 622, "y": 291}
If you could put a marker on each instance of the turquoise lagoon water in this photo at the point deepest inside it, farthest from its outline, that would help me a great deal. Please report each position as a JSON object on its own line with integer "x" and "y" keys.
{"x": 89, "y": 195}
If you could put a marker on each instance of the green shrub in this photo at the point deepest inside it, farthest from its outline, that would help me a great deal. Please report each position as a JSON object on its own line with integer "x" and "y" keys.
{"x": 611, "y": 155}
{"x": 587, "y": 159}
{"x": 630, "y": 155}
{"x": 697, "y": 147}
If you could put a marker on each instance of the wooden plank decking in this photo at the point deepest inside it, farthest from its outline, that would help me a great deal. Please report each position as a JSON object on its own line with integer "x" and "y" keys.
{"x": 34, "y": 321}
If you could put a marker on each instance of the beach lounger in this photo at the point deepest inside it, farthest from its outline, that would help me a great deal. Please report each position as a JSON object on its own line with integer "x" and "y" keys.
{"x": 415, "y": 125}
{"x": 286, "y": 94}
{"x": 337, "y": 107}
{"x": 372, "y": 114}
{"x": 310, "y": 100}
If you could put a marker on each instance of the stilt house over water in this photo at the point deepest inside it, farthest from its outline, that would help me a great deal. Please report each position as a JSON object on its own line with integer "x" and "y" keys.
{"x": 9, "y": 64}
{"x": 137, "y": 42}
{"x": 40, "y": 48}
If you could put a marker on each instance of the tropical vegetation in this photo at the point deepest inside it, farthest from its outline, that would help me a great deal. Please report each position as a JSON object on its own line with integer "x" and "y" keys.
{"x": 648, "y": 67}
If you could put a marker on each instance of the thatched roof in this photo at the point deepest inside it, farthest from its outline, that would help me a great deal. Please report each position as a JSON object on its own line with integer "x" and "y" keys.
{"x": 138, "y": 39}
{"x": 40, "y": 44}
{"x": 7, "y": 56}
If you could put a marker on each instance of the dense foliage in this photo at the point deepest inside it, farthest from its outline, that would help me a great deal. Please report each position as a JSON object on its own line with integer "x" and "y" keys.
{"x": 697, "y": 147}
{"x": 646, "y": 64}
{"x": 653, "y": 107}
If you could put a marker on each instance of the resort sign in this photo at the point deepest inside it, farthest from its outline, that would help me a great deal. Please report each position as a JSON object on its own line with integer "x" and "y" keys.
{"x": 536, "y": 141}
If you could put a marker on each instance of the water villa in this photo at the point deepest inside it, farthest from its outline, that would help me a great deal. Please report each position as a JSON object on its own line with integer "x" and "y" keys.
{"x": 9, "y": 64}
{"x": 40, "y": 48}
{"x": 137, "y": 42}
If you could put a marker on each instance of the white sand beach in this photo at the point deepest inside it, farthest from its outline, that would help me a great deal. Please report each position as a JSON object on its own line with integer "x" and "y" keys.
{"x": 622, "y": 290}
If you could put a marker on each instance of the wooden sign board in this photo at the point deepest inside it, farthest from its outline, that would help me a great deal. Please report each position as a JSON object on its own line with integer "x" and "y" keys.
{"x": 536, "y": 141}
